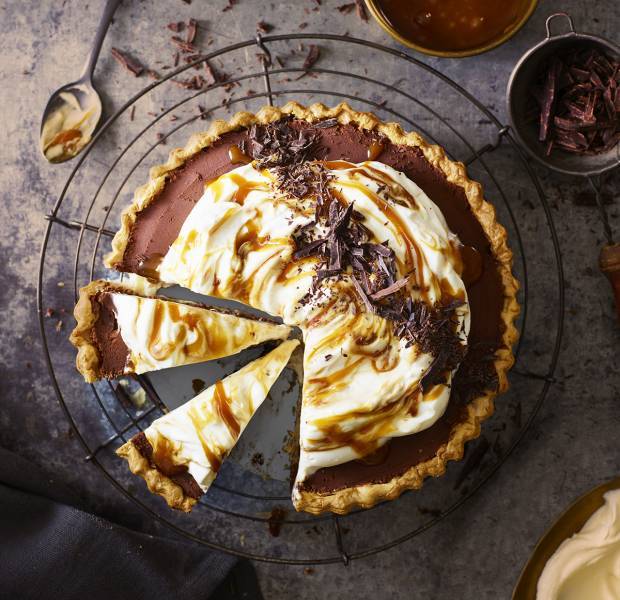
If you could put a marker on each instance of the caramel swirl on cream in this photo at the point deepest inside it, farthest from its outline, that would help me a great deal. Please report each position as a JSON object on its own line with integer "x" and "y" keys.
{"x": 162, "y": 333}
{"x": 362, "y": 383}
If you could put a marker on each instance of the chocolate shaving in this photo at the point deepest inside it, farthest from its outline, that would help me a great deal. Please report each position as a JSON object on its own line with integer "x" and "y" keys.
{"x": 578, "y": 102}
{"x": 176, "y": 26}
{"x": 390, "y": 289}
{"x": 192, "y": 28}
{"x": 314, "y": 53}
{"x": 263, "y": 27}
{"x": 326, "y": 124}
{"x": 184, "y": 46}
{"x": 361, "y": 10}
{"x": 345, "y": 9}
{"x": 126, "y": 61}
{"x": 212, "y": 75}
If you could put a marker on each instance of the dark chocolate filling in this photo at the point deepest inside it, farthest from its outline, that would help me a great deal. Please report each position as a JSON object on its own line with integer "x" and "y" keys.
{"x": 183, "y": 478}
{"x": 106, "y": 337}
{"x": 158, "y": 225}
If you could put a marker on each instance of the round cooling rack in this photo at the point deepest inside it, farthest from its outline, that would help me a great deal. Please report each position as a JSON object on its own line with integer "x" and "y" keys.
{"x": 246, "y": 512}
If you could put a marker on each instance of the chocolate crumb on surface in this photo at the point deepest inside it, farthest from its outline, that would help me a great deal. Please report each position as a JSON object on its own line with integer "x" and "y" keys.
{"x": 276, "y": 519}
{"x": 192, "y": 28}
{"x": 361, "y": 10}
{"x": 263, "y": 27}
{"x": 198, "y": 385}
{"x": 127, "y": 62}
{"x": 176, "y": 26}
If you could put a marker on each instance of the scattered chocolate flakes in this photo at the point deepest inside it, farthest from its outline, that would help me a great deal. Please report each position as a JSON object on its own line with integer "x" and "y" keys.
{"x": 193, "y": 83}
{"x": 361, "y": 10}
{"x": 314, "y": 53}
{"x": 263, "y": 27}
{"x": 275, "y": 520}
{"x": 212, "y": 75}
{"x": 192, "y": 28}
{"x": 176, "y": 26}
{"x": 183, "y": 46}
{"x": 203, "y": 112}
{"x": 258, "y": 459}
{"x": 345, "y": 9}
{"x": 153, "y": 74}
{"x": 198, "y": 385}
{"x": 127, "y": 62}
{"x": 278, "y": 145}
{"x": 577, "y": 102}
{"x": 229, "y": 6}
{"x": 49, "y": 313}
{"x": 326, "y": 124}
{"x": 59, "y": 325}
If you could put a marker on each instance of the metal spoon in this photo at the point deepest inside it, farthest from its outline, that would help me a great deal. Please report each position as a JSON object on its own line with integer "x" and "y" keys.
{"x": 74, "y": 110}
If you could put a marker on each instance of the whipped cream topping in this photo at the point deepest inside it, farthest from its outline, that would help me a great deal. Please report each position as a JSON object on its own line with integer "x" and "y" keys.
{"x": 587, "y": 565}
{"x": 162, "y": 333}
{"x": 362, "y": 383}
{"x": 202, "y": 432}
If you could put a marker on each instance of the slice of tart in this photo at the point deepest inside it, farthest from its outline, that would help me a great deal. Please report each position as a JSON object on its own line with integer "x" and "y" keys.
{"x": 120, "y": 332}
{"x": 379, "y": 248}
{"x": 180, "y": 454}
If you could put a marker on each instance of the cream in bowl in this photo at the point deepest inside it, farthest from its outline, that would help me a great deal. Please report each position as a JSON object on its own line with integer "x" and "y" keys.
{"x": 586, "y": 566}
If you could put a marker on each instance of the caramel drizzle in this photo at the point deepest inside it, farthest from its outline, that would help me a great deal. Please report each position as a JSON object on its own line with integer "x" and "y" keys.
{"x": 374, "y": 150}
{"x": 222, "y": 404}
{"x": 199, "y": 423}
{"x": 210, "y": 338}
{"x": 237, "y": 156}
{"x": 244, "y": 187}
{"x": 365, "y": 438}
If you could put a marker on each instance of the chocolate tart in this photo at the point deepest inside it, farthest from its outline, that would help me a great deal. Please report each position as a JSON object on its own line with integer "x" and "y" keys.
{"x": 120, "y": 332}
{"x": 150, "y": 226}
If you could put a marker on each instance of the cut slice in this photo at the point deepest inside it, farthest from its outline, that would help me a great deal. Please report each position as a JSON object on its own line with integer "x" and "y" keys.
{"x": 120, "y": 332}
{"x": 179, "y": 454}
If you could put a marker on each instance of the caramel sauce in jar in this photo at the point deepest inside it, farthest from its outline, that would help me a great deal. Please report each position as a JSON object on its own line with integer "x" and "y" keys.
{"x": 452, "y": 25}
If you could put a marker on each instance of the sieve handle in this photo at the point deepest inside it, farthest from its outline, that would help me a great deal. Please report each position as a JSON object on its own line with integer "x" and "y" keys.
{"x": 550, "y": 18}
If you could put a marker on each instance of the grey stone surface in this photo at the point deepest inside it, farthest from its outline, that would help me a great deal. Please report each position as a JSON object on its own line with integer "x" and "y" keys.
{"x": 478, "y": 550}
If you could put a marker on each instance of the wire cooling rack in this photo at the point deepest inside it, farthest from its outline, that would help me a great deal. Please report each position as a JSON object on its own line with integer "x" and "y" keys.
{"x": 245, "y": 513}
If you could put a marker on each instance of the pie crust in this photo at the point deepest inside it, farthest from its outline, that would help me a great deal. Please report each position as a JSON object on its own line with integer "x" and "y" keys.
{"x": 366, "y": 495}
{"x": 156, "y": 481}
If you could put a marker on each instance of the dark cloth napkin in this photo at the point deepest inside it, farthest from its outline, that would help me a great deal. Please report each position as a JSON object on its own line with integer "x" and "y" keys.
{"x": 49, "y": 549}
